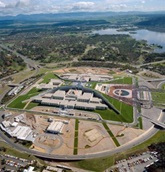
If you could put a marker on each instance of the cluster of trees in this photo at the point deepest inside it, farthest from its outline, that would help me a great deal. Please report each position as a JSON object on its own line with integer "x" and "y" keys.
{"x": 154, "y": 22}
{"x": 154, "y": 57}
{"x": 10, "y": 64}
{"x": 159, "y": 68}
{"x": 55, "y": 48}
{"x": 160, "y": 165}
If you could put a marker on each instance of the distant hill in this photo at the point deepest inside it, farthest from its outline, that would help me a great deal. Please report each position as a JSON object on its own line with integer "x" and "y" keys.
{"x": 73, "y": 15}
{"x": 153, "y": 21}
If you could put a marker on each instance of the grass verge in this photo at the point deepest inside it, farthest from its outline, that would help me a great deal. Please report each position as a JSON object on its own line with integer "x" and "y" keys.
{"x": 48, "y": 77}
{"x": 140, "y": 125}
{"x": 75, "y": 151}
{"x": 111, "y": 135}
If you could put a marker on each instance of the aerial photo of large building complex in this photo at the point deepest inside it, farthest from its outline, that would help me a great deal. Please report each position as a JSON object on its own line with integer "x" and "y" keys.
{"x": 82, "y": 86}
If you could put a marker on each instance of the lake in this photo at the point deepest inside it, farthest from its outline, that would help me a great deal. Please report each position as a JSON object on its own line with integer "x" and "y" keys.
{"x": 150, "y": 36}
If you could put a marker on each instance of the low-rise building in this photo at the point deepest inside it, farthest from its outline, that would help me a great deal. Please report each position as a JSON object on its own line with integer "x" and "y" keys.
{"x": 59, "y": 94}
{"x": 86, "y": 97}
{"x": 55, "y": 127}
{"x": 30, "y": 169}
{"x": 6, "y": 124}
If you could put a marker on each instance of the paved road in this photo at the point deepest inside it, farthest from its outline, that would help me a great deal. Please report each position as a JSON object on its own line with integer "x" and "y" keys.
{"x": 28, "y": 61}
{"x": 145, "y": 136}
{"x": 161, "y": 84}
{"x": 151, "y": 63}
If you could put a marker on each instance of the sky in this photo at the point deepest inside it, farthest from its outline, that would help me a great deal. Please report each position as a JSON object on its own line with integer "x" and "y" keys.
{"x": 15, "y": 7}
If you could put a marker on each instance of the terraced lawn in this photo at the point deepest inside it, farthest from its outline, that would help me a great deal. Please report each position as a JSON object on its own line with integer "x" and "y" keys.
{"x": 125, "y": 110}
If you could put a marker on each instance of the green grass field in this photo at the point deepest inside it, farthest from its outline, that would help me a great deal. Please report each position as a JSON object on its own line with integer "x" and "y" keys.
{"x": 140, "y": 124}
{"x": 125, "y": 110}
{"x": 48, "y": 77}
{"x": 158, "y": 97}
{"x": 75, "y": 151}
{"x": 101, "y": 164}
{"x": 163, "y": 86}
{"x": 125, "y": 80}
{"x": 18, "y": 102}
{"x": 31, "y": 105}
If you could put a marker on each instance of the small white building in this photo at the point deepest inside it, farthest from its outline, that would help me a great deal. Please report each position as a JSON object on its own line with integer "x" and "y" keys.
{"x": 30, "y": 169}
{"x": 55, "y": 127}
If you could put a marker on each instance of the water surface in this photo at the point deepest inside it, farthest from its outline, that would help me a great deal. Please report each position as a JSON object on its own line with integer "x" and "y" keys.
{"x": 151, "y": 37}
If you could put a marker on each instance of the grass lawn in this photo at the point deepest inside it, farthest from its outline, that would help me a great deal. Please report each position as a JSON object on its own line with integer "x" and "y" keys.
{"x": 158, "y": 97}
{"x": 100, "y": 164}
{"x": 48, "y": 77}
{"x": 163, "y": 86}
{"x": 31, "y": 105}
{"x": 18, "y": 102}
{"x": 75, "y": 151}
{"x": 125, "y": 80}
{"x": 126, "y": 111}
{"x": 111, "y": 135}
{"x": 140, "y": 125}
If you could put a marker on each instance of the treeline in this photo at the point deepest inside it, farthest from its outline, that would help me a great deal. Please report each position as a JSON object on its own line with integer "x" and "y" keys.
{"x": 153, "y": 57}
{"x": 155, "y": 22}
{"x": 160, "y": 165}
{"x": 105, "y": 65}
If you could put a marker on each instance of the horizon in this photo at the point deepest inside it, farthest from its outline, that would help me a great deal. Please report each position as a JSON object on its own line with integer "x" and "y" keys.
{"x": 85, "y": 12}
{"x": 27, "y": 7}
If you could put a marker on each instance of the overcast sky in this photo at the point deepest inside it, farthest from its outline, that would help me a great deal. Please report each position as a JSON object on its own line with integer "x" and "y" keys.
{"x": 14, "y": 7}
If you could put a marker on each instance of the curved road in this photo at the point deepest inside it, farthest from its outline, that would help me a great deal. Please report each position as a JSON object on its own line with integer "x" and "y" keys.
{"x": 145, "y": 136}
{"x": 161, "y": 84}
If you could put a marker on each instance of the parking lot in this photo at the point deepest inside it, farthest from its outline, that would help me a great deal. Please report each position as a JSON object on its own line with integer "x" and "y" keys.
{"x": 12, "y": 163}
{"x": 135, "y": 163}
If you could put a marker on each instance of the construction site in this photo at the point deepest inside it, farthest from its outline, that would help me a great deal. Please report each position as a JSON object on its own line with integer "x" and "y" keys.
{"x": 56, "y": 135}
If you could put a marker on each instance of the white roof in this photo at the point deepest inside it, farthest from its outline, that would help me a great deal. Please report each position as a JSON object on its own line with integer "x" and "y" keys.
{"x": 30, "y": 169}
{"x": 95, "y": 99}
{"x": 14, "y": 124}
{"x": 21, "y": 132}
{"x": 53, "y": 101}
{"x": 6, "y": 124}
{"x": 86, "y": 96}
{"x": 59, "y": 93}
{"x": 56, "y": 81}
{"x": 55, "y": 126}
{"x": 48, "y": 95}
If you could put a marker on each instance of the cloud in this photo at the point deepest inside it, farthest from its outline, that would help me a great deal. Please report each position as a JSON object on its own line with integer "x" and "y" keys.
{"x": 83, "y": 5}
{"x": 14, "y": 7}
{"x": 2, "y": 5}
{"x": 22, "y": 3}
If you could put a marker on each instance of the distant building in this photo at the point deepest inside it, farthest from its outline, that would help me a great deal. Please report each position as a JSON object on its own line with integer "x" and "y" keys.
{"x": 71, "y": 99}
{"x": 54, "y": 83}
